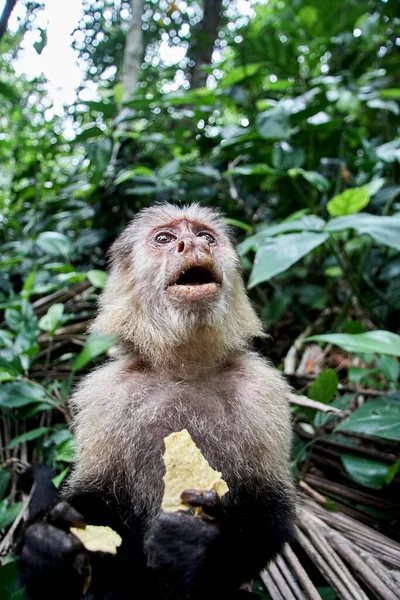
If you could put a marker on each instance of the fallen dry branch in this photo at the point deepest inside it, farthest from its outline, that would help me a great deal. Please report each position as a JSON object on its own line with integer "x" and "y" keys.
{"x": 358, "y": 562}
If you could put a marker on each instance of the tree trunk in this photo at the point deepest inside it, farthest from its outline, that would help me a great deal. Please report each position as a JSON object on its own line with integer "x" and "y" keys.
{"x": 8, "y": 8}
{"x": 133, "y": 50}
{"x": 203, "y": 41}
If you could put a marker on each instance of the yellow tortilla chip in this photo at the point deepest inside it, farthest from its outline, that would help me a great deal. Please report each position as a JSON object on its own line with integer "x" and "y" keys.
{"x": 186, "y": 469}
{"x": 97, "y": 538}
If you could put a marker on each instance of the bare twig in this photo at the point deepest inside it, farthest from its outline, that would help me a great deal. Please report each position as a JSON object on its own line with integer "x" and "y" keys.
{"x": 304, "y": 579}
{"x": 6, "y": 542}
{"x": 304, "y": 401}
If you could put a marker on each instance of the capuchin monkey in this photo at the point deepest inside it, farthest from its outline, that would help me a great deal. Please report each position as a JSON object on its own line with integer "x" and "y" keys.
{"x": 176, "y": 304}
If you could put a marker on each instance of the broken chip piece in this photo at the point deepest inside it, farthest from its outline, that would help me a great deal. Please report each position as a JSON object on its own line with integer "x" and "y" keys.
{"x": 186, "y": 468}
{"x": 97, "y": 538}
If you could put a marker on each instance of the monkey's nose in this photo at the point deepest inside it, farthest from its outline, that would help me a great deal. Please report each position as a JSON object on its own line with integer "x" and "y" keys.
{"x": 180, "y": 246}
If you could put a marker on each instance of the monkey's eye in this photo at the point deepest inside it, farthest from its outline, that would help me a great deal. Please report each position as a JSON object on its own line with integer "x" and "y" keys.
{"x": 164, "y": 238}
{"x": 207, "y": 236}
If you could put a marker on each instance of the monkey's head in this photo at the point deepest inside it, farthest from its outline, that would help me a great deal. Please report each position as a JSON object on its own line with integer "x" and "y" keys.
{"x": 175, "y": 281}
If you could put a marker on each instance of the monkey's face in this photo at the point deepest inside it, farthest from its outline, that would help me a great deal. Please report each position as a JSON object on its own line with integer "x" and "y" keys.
{"x": 174, "y": 275}
{"x": 189, "y": 256}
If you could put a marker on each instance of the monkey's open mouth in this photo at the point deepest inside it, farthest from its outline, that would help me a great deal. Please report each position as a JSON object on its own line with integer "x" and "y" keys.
{"x": 196, "y": 276}
{"x": 196, "y": 282}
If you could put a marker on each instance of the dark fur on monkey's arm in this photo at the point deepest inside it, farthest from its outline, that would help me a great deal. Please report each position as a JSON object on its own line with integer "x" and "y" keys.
{"x": 202, "y": 556}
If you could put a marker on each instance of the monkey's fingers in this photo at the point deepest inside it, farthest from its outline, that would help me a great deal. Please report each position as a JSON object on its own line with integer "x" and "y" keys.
{"x": 208, "y": 500}
{"x": 64, "y": 516}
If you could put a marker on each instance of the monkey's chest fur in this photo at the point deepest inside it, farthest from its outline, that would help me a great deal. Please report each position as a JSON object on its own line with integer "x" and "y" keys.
{"x": 122, "y": 418}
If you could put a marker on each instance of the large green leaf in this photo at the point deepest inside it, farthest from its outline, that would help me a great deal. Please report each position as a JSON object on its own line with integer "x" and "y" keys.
{"x": 305, "y": 223}
{"x": 385, "y": 230}
{"x": 367, "y": 472}
{"x": 279, "y": 253}
{"x": 348, "y": 202}
{"x": 379, "y": 417}
{"x": 379, "y": 341}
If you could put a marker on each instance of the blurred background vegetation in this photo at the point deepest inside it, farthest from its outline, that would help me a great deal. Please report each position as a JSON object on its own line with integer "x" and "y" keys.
{"x": 283, "y": 115}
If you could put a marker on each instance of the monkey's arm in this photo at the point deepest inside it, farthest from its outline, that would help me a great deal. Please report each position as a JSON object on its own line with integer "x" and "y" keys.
{"x": 201, "y": 555}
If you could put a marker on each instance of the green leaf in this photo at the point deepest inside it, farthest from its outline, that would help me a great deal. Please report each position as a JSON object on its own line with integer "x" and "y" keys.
{"x": 239, "y": 224}
{"x": 392, "y": 472}
{"x": 5, "y": 478}
{"x": 7, "y": 374}
{"x": 206, "y": 171}
{"x": 379, "y": 417}
{"x": 33, "y": 434}
{"x": 308, "y": 16}
{"x": 14, "y": 319}
{"x": 367, "y": 472}
{"x": 333, "y": 272}
{"x": 324, "y": 387}
{"x": 240, "y": 73}
{"x": 50, "y": 321}
{"x": 20, "y": 393}
{"x": 389, "y": 152}
{"x": 168, "y": 170}
{"x": 273, "y": 124}
{"x": 54, "y": 243}
{"x": 29, "y": 283}
{"x": 136, "y": 172}
{"x": 376, "y": 342}
{"x": 8, "y": 92}
{"x": 9, "y": 588}
{"x": 95, "y": 346}
{"x": 316, "y": 179}
{"x": 385, "y": 230}
{"x": 349, "y": 202}
{"x": 92, "y": 131}
{"x": 278, "y": 254}
{"x": 389, "y": 366}
{"x": 391, "y": 93}
{"x": 97, "y": 278}
{"x": 305, "y": 223}
{"x": 313, "y": 295}
{"x": 286, "y": 157}
{"x": 8, "y": 515}
{"x": 66, "y": 451}
{"x": 119, "y": 92}
{"x": 109, "y": 109}
{"x": 57, "y": 481}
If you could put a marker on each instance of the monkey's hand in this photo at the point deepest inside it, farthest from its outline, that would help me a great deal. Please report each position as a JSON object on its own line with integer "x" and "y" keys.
{"x": 179, "y": 545}
{"x": 53, "y": 563}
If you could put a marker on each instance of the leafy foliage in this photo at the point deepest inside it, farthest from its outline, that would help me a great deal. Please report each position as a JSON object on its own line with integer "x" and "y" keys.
{"x": 294, "y": 139}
